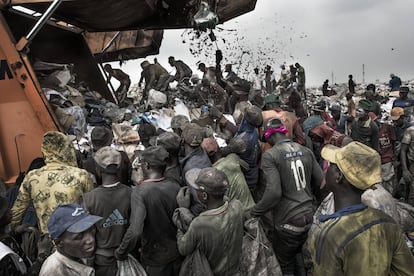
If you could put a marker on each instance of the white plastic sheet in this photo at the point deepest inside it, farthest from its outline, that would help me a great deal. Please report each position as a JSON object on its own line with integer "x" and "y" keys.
{"x": 181, "y": 109}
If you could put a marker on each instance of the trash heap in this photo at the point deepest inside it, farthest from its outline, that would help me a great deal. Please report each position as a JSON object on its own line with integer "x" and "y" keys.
{"x": 79, "y": 109}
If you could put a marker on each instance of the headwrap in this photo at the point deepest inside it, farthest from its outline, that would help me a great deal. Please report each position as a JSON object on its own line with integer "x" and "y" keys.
{"x": 282, "y": 129}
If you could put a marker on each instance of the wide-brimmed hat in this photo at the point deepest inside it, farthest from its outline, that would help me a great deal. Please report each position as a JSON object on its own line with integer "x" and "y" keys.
{"x": 360, "y": 164}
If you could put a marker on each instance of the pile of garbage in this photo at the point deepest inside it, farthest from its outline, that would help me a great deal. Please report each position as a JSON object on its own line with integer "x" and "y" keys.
{"x": 79, "y": 109}
{"x": 383, "y": 95}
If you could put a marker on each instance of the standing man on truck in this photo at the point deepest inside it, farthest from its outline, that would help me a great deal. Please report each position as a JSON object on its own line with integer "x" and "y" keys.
{"x": 124, "y": 80}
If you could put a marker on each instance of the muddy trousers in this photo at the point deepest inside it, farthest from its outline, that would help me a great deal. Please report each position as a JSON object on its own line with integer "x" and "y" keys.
{"x": 287, "y": 243}
{"x": 170, "y": 269}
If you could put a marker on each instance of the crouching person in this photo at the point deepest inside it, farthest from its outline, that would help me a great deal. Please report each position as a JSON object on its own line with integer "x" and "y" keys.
{"x": 72, "y": 230}
{"x": 218, "y": 231}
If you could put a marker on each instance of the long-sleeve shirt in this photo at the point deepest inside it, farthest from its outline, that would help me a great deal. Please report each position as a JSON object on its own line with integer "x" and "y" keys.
{"x": 366, "y": 132}
{"x": 290, "y": 171}
{"x": 152, "y": 207}
{"x": 358, "y": 240}
{"x": 232, "y": 165}
{"x": 52, "y": 185}
{"x": 218, "y": 234}
{"x": 58, "y": 264}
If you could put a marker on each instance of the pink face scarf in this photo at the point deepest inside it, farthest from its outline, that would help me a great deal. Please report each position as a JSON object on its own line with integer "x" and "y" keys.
{"x": 272, "y": 130}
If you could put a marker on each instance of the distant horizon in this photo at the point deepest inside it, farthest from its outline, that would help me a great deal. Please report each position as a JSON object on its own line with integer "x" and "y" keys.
{"x": 323, "y": 36}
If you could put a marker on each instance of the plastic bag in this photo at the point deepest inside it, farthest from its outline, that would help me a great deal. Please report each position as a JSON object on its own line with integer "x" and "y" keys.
{"x": 405, "y": 216}
{"x": 156, "y": 98}
{"x": 181, "y": 109}
{"x": 78, "y": 126}
{"x": 196, "y": 264}
{"x": 380, "y": 199}
{"x": 164, "y": 120}
{"x": 258, "y": 258}
{"x": 60, "y": 78}
{"x": 130, "y": 267}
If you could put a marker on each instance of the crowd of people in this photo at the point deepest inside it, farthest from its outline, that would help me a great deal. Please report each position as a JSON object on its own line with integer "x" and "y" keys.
{"x": 181, "y": 204}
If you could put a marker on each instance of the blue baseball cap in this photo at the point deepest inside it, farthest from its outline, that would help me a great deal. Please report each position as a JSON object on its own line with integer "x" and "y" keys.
{"x": 70, "y": 217}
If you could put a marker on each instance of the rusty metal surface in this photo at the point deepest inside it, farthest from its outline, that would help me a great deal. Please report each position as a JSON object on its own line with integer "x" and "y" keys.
{"x": 126, "y": 45}
{"x": 24, "y": 114}
{"x": 117, "y": 15}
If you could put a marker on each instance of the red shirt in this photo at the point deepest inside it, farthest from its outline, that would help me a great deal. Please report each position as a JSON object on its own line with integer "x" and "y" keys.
{"x": 387, "y": 139}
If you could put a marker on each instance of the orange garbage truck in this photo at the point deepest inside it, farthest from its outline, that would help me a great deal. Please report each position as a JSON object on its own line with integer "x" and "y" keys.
{"x": 25, "y": 113}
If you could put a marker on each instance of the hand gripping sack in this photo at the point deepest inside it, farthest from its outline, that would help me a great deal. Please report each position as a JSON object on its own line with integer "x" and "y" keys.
{"x": 130, "y": 267}
{"x": 258, "y": 258}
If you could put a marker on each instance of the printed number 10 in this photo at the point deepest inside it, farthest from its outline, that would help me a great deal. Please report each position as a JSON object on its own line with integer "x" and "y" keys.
{"x": 299, "y": 174}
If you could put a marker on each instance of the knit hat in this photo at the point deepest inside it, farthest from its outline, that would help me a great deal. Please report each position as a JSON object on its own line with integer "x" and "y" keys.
{"x": 360, "y": 164}
{"x": 145, "y": 64}
{"x": 365, "y": 105}
{"x": 335, "y": 107}
{"x": 101, "y": 136}
{"x": 193, "y": 134}
{"x": 404, "y": 89}
{"x": 155, "y": 156}
{"x": 272, "y": 98}
{"x": 253, "y": 115}
{"x": 311, "y": 122}
{"x": 106, "y": 157}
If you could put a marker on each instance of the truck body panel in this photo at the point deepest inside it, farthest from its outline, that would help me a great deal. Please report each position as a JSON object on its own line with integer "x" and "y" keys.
{"x": 25, "y": 113}
{"x": 125, "y": 45}
{"x": 118, "y": 15}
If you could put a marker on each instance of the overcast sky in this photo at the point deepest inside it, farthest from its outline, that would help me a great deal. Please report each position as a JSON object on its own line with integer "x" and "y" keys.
{"x": 325, "y": 36}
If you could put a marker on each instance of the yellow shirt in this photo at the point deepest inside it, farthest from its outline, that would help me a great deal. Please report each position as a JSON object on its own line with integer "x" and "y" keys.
{"x": 48, "y": 187}
{"x": 366, "y": 242}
